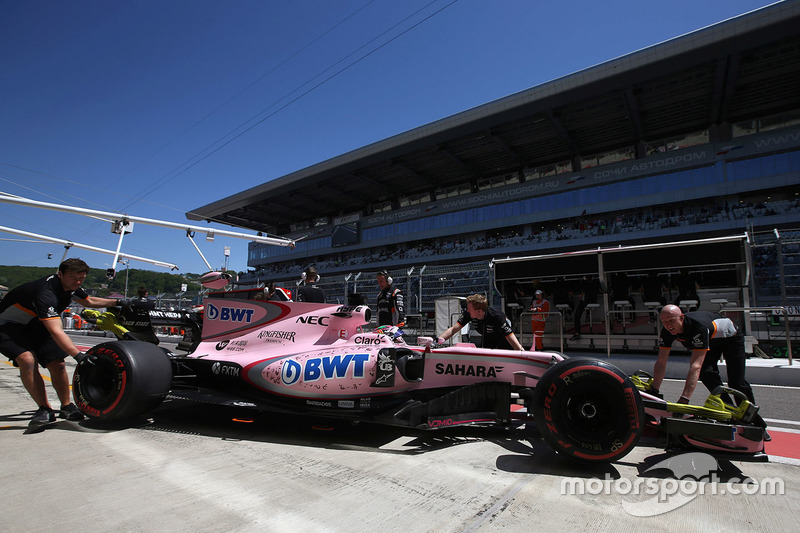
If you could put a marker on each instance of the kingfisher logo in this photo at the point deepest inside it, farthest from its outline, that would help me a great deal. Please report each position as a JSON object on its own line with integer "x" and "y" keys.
{"x": 316, "y": 368}
{"x": 229, "y": 314}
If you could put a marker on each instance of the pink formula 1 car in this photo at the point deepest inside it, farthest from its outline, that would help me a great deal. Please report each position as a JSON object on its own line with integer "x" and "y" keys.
{"x": 316, "y": 359}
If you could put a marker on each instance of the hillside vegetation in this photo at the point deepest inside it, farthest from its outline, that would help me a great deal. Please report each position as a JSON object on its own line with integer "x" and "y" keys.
{"x": 97, "y": 282}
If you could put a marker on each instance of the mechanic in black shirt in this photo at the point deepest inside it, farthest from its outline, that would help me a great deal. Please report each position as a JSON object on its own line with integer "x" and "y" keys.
{"x": 31, "y": 333}
{"x": 391, "y": 309}
{"x": 492, "y": 325}
{"x": 277, "y": 294}
{"x": 708, "y": 336}
{"x": 142, "y": 300}
{"x": 308, "y": 290}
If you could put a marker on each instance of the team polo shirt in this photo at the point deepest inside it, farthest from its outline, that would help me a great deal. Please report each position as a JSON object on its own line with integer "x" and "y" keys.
{"x": 391, "y": 309}
{"x": 43, "y": 298}
{"x": 310, "y": 292}
{"x": 700, "y": 329}
{"x": 494, "y": 328}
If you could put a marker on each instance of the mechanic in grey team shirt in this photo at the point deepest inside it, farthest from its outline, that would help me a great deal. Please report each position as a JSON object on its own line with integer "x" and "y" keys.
{"x": 709, "y": 336}
{"x": 31, "y": 333}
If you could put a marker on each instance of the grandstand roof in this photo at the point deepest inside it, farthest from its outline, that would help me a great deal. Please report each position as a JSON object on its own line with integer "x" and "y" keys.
{"x": 742, "y": 68}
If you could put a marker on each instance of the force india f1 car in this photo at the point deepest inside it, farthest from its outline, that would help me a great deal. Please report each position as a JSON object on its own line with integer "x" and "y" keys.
{"x": 315, "y": 359}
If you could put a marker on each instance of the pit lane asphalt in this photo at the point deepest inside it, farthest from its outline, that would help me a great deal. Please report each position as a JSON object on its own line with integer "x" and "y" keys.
{"x": 198, "y": 468}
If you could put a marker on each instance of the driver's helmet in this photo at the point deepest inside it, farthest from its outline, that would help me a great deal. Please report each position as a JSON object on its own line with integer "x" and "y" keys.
{"x": 393, "y": 332}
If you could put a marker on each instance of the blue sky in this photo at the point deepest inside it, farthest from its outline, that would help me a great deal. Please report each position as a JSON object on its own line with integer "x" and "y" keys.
{"x": 153, "y": 108}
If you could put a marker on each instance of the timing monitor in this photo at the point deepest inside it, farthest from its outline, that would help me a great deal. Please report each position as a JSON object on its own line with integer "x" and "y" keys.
{"x": 344, "y": 234}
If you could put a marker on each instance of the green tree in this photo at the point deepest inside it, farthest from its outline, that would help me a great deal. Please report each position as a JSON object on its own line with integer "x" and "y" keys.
{"x": 98, "y": 283}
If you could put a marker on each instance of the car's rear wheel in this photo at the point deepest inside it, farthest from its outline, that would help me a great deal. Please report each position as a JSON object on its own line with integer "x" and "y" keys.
{"x": 125, "y": 379}
{"x": 588, "y": 410}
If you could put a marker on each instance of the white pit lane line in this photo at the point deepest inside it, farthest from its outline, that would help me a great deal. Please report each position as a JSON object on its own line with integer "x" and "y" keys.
{"x": 779, "y": 421}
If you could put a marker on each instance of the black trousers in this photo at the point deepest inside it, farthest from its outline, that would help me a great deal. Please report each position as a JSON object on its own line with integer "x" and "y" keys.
{"x": 733, "y": 350}
{"x": 577, "y": 314}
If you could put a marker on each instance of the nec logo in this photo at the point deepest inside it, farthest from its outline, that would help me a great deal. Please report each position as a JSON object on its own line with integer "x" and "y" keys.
{"x": 321, "y": 320}
{"x": 229, "y": 314}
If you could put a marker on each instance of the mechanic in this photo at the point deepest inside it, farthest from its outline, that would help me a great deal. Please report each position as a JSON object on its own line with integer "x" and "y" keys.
{"x": 585, "y": 293}
{"x": 540, "y": 308}
{"x": 492, "y": 325}
{"x": 31, "y": 333}
{"x": 709, "y": 336}
{"x": 391, "y": 310}
{"x": 141, "y": 299}
{"x": 308, "y": 290}
{"x": 276, "y": 294}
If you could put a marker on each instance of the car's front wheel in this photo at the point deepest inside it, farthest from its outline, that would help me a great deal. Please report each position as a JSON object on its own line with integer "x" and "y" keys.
{"x": 588, "y": 410}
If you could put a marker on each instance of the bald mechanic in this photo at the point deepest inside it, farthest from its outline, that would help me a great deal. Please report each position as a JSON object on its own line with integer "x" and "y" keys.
{"x": 708, "y": 336}
{"x": 31, "y": 333}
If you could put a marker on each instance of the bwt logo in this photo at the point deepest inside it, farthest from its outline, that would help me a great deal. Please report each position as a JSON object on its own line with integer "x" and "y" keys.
{"x": 335, "y": 367}
{"x": 229, "y": 314}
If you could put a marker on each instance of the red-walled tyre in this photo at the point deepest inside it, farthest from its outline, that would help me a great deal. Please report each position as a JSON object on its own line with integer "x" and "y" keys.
{"x": 588, "y": 410}
{"x": 126, "y": 379}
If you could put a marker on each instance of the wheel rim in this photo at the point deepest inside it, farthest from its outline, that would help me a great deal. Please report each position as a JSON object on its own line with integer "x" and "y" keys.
{"x": 589, "y": 413}
{"x": 99, "y": 383}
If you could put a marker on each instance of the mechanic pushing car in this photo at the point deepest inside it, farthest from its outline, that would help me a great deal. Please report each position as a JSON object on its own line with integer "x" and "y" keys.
{"x": 492, "y": 325}
{"x": 709, "y": 336}
{"x": 31, "y": 333}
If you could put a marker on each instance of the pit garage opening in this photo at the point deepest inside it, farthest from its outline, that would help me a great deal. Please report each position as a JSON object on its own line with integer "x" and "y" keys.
{"x": 610, "y": 297}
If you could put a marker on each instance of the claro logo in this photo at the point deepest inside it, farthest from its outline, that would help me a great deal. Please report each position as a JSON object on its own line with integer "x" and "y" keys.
{"x": 367, "y": 340}
{"x": 229, "y": 314}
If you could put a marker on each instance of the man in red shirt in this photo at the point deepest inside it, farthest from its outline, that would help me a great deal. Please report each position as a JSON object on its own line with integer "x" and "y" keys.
{"x": 540, "y": 308}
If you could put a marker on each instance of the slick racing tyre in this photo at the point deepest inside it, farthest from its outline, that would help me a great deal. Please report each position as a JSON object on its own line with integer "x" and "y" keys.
{"x": 588, "y": 410}
{"x": 124, "y": 379}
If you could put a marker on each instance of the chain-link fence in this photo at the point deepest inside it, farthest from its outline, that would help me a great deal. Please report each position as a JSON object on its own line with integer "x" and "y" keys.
{"x": 177, "y": 301}
{"x": 776, "y": 268}
{"x": 421, "y": 286}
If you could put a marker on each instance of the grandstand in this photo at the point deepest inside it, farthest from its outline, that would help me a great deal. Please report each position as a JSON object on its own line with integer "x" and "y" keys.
{"x": 694, "y": 138}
